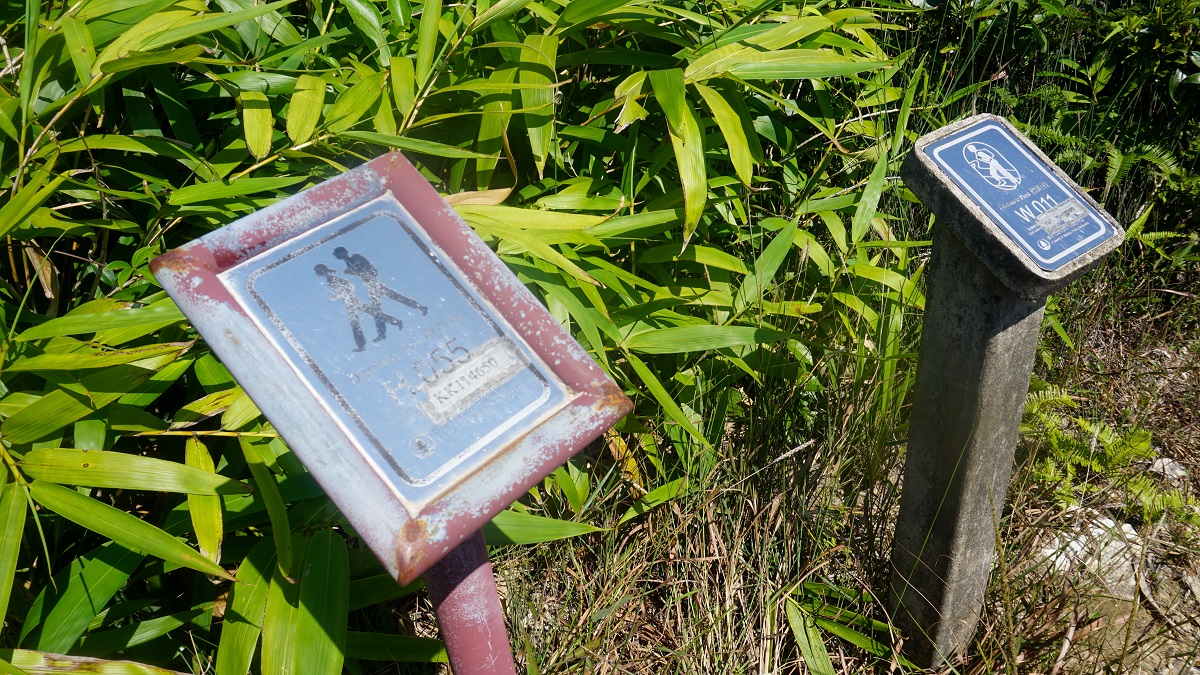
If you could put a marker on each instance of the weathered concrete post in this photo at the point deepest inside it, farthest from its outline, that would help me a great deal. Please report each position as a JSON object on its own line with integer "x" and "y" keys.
{"x": 1011, "y": 228}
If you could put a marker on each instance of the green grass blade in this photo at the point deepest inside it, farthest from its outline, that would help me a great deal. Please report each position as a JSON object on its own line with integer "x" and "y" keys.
{"x": 398, "y": 648}
{"x": 205, "y": 510}
{"x": 276, "y": 510}
{"x": 35, "y": 193}
{"x": 869, "y": 200}
{"x": 243, "y": 620}
{"x": 304, "y": 112}
{"x": 96, "y": 468}
{"x": 683, "y": 339}
{"x": 121, "y": 527}
{"x": 324, "y": 604}
{"x": 664, "y": 399}
{"x": 87, "y": 360}
{"x": 514, "y": 527}
{"x": 808, "y": 639}
{"x": 12, "y": 527}
{"x": 755, "y": 285}
{"x": 656, "y": 497}
{"x": 416, "y": 145}
{"x": 207, "y": 192}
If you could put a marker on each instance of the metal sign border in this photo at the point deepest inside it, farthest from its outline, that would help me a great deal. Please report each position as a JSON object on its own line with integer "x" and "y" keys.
{"x": 406, "y": 541}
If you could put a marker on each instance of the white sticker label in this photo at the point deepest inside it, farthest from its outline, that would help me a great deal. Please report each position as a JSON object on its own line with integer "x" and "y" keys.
{"x": 1062, "y": 217}
{"x": 455, "y": 389}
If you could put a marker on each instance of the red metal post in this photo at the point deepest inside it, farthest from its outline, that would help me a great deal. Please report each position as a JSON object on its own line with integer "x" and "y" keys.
{"x": 468, "y": 610}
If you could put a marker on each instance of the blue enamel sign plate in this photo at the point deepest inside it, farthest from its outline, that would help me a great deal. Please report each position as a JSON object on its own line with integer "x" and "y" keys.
{"x": 1046, "y": 218}
{"x": 398, "y": 346}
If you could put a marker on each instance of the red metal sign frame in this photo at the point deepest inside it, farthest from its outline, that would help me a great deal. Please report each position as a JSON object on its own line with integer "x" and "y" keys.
{"x": 407, "y": 540}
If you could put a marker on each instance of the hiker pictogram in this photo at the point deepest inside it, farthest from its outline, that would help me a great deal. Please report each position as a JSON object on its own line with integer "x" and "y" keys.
{"x": 992, "y": 166}
{"x": 345, "y": 291}
{"x": 358, "y": 266}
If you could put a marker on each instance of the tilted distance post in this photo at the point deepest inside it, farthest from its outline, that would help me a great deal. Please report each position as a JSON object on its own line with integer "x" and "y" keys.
{"x": 420, "y": 382}
{"x": 1010, "y": 229}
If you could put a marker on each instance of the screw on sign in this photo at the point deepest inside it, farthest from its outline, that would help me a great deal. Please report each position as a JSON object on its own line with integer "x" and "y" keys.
{"x": 1011, "y": 228}
{"x": 419, "y": 381}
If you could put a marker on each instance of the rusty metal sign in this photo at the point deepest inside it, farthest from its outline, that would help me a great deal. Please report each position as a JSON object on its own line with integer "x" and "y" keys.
{"x": 414, "y": 375}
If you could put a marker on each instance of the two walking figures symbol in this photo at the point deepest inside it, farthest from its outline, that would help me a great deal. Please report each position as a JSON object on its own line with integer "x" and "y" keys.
{"x": 344, "y": 290}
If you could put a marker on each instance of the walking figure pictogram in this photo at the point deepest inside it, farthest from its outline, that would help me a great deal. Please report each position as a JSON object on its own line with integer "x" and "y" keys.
{"x": 344, "y": 290}
{"x": 358, "y": 266}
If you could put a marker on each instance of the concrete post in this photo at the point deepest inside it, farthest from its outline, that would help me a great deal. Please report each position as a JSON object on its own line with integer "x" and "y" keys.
{"x": 1011, "y": 228}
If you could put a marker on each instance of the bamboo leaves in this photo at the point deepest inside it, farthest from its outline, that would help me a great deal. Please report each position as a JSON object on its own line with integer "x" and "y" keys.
{"x": 687, "y": 138}
{"x": 305, "y": 110}
{"x": 120, "y": 527}
{"x": 537, "y": 96}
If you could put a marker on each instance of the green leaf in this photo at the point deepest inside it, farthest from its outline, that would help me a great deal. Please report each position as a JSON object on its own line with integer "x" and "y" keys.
{"x": 404, "y": 85}
{"x": 658, "y": 496}
{"x": 35, "y": 193}
{"x": 734, "y": 132}
{"x": 586, "y": 11}
{"x": 514, "y": 527}
{"x": 207, "y": 192}
{"x": 61, "y": 407}
{"x": 304, "y": 112}
{"x": 80, "y": 592}
{"x": 258, "y": 123}
{"x": 427, "y": 33}
{"x": 157, "y": 315}
{"x": 85, "y": 360}
{"x": 140, "y": 60}
{"x": 497, "y": 12}
{"x": 397, "y": 648}
{"x": 79, "y": 46}
{"x": 910, "y": 294}
{"x": 664, "y": 399}
{"x": 7, "y": 668}
{"x": 215, "y": 21}
{"x": 353, "y": 103}
{"x": 538, "y": 75}
{"x": 324, "y": 605}
{"x": 416, "y": 145}
{"x": 808, "y": 639}
{"x": 41, "y": 663}
{"x": 268, "y": 489}
{"x": 12, "y": 526}
{"x": 687, "y": 138}
{"x": 130, "y": 635}
{"x": 797, "y": 64}
{"x": 368, "y": 20}
{"x": 681, "y": 339}
{"x": 754, "y": 286}
{"x": 869, "y": 200}
{"x": 247, "y": 605}
{"x": 121, "y": 527}
{"x": 205, "y": 510}
{"x": 97, "y": 468}
{"x": 279, "y": 626}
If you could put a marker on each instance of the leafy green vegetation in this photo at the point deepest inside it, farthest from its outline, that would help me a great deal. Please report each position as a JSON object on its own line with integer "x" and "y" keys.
{"x": 705, "y": 194}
